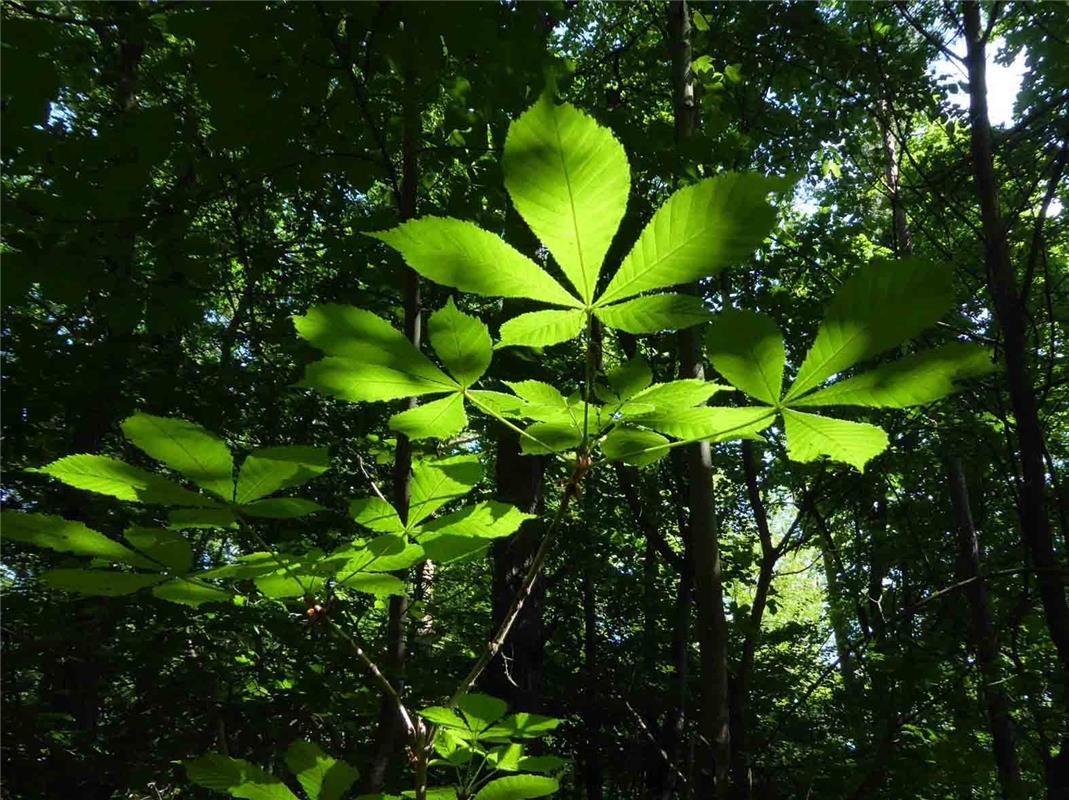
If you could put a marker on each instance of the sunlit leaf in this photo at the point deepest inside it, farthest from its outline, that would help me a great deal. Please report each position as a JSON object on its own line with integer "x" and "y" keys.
{"x": 270, "y": 469}
{"x": 810, "y": 436}
{"x": 462, "y": 343}
{"x": 114, "y": 478}
{"x": 439, "y": 419}
{"x": 747, "y": 349}
{"x": 185, "y": 447}
{"x": 66, "y": 536}
{"x": 658, "y": 312}
{"x": 541, "y": 328}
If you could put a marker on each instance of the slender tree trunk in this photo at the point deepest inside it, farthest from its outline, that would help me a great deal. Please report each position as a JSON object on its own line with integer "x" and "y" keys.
{"x": 592, "y": 769}
{"x": 708, "y": 585}
{"x": 1009, "y": 312}
{"x": 388, "y": 727}
{"x": 516, "y": 675}
{"x": 982, "y": 633}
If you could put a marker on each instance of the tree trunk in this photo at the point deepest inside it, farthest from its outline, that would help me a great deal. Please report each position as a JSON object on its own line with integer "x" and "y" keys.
{"x": 388, "y": 727}
{"x": 1009, "y": 313}
{"x": 516, "y": 675}
{"x": 709, "y": 590}
{"x": 982, "y": 633}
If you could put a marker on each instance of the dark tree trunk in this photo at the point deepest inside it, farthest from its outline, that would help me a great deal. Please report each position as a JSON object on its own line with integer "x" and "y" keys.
{"x": 1010, "y": 315}
{"x": 516, "y": 675}
{"x": 982, "y": 633}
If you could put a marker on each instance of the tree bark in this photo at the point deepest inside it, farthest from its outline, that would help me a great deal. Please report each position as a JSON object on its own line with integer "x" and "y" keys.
{"x": 982, "y": 633}
{"x": 1009, "y": 313}
{"x": 516, "y": 675}
{"x": 702, "y": 523}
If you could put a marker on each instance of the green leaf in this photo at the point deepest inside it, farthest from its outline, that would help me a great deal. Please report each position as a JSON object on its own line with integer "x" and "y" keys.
{"x": 481, "y": 710}
{"x": 506, "y": 405}
{"x": 505, "y": 758}
{"x": 810, "y": 436}
{"x": 747, "y": 349}
{"x": 98, "y": 583}
{"x": 699, "y": 231}
{"x": 280, "y": 508}
{"x": 685, "y": 393}
{"x": 114, "y": 478}
{"x": 290, "y": 583}
{"x": 436, "y": 482}
{"x": 489, "y": 519}
{"x": 66, "y": 536}
{"x": 445, "y": 717}
{"x": 378, "y": 584}
{"x": 166, "y": 547}
{"x": 550, "y": 437}
{"x": 630, "y": 445}
{"x": 464, "y": 256}
{"x": 359, "y": 382}
{"x": 917, "y": 379}
{"x": 542, "y": 764}
{"x": 541, "y": 328}
{"x": 630, "y": 378}
{"x": 388, "y": 553}
{"x": 517, "y": 787}
{"x": 181, "y": 518}
{"x": 569, "y": 179}
{"x": 709, "y": 423}
{"x": 440, "y": 419}
{"x": 270, "y": 469}
{"x": 376, "y": 514}
{"x": 321, "y": 777}
{"x": 654, "y": 313}
{"x": 880, "y": 306}
{"x": 252, "y": 565}
{"x": 445, "y": 548}
{"x": 236, "y": 778}
{"x": 529, "y": 726}
{"x": 185, "y": 447}
{"x": 356, "y": 335}
{"x": 190, "y": 593}
{"x": 461, "y": 342}
{"x": 538, "y": 393}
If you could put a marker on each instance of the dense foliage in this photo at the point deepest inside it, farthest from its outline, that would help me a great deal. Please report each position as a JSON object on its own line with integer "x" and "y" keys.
{"x": 597, "y": 400}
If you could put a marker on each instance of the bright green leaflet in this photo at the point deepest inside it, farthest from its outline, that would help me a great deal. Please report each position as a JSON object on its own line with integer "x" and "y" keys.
{"x": 810, "y": 436}
{"x": 166, "y": 547}
{"x": 569, "y": 179}
{"x": 271, "y": 469}
{"x": 747, "y": 349}
{"x": 188, "y": 593}
{"x": 439, "y": 419}
{"x": 462, "y": 255}
{"x": 699, "y": 231}
{"x": 462, "y": 343}
{"x": 517, "y": 787}
{"x": 914, "y": 380}
{"x": 236, "y": 778}
{"x": 185, "y": 447}
{"x": 321, "y": 777}
{"x": 541, "y": 328}
{"x": 114, "y": 478}
{"x": 98, "y": 582}
{"x": 880, "y": 306}
{"x": 658, "y": 312}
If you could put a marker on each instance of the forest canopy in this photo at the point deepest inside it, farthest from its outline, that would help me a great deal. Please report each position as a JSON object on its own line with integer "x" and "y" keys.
{"x": 503, "y": 400}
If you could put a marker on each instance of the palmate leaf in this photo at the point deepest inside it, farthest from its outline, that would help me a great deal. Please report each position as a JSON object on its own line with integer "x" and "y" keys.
{"x": 114, "y": 478}
{"x": 630, "y": 378}
{"x": 438, "y": 419}
{"x": 382, "y": 554}
{"x": 462, "y": 255}
{"x": 462, "y": 343}
{"x": 550, "y": 437}
{"x": 236, "y": 777}
{"x": 378, "y": 584}
{"x": 917, "y": 379}
{"x": 541, "y": 328}
{"x": 569, "y": 179}
{"x": 880, "y": 306}
{"x": 376, "y": 514}
{"x": 810, "y": 436}
{"x": 321, "y": 777}
{"x": 185, "y": 518}
{"x": 654, "y": 313}
{"x": 481, "y": 710}
{"x": 280, "y": 508}
{"x": 185, "y": 447}
{"x": 270, "y": 469}
{"x": 67, "y": 536}
{"x": 699, "y": 231}
{"x": 747, "y": 349}
{"x": 446, "y": 548}
{"x": 666, "y": 397}
{"x": 517, "y": 787}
